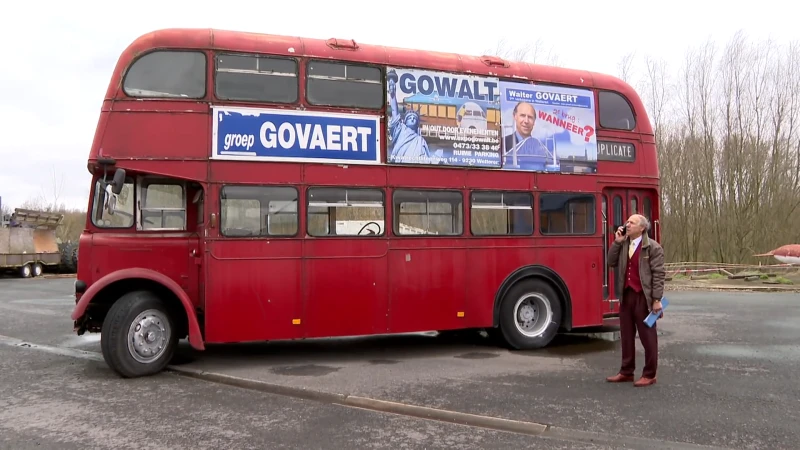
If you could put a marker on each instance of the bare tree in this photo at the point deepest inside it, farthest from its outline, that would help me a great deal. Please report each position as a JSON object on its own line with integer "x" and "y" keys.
{"x": 5, "y": 211}
{"x": 729, "y": 148}
{"x": 625, "y": 67}
{"x": 56, "y": 189}
{"x": 533, "y": 52}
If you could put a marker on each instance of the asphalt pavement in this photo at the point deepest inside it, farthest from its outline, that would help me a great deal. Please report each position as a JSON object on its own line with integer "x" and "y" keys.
{"x": 726, "y": 379}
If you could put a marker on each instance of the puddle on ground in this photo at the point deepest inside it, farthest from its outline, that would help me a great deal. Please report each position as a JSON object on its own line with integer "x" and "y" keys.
{"x": 181, "y": 359}
{"x": 79, "y": 341}
{"x": 51, "y": 301}
{"x": 307, "y": 370}
{"x": 382, "y": 361}
{"x": 763, "y": 352}
{"x": 477, "y": 355}
{"x": 575, "y": 348}
{"x": 791, "y": 323}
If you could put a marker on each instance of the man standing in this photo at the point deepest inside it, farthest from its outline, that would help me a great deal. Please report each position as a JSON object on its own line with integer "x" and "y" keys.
{"x": 639, "y": 278}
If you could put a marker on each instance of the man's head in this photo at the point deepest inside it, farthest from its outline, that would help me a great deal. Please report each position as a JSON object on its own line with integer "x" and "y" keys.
{"x": 525, "y": 118}
{"x": 636, "y": 225}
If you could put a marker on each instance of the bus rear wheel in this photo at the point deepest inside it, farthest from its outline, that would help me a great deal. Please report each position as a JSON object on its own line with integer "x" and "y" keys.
{"x": 530, "y": 315}
{"x": 138, "y": 336}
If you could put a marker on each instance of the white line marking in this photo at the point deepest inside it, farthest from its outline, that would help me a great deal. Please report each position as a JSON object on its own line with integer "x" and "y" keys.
{"x": 82, "y": 354}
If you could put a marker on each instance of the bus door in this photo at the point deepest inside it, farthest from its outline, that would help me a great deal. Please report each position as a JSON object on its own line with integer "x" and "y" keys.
{"x": 197, "y": 247}
{"x": 618, "y": 205}
{"x": 252, "y": 258}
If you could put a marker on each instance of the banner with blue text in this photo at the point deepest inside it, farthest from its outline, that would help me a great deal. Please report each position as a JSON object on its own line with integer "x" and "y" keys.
{"x": 256, "y": 134}
{"x": 440, "y": 118}
{"x": 548, "y": 128}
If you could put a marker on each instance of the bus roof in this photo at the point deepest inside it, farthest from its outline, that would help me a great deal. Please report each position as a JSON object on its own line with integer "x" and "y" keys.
{"x": 349, "y": 50}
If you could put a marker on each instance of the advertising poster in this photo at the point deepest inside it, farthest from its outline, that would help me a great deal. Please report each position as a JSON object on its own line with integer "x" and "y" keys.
{"x": 438, "y": 118}
{"x": 548, "y": 128}
{"x": 256, "y": 134}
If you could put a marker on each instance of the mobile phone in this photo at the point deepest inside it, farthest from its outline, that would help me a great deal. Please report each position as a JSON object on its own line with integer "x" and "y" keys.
{"x": 624, "y": 230}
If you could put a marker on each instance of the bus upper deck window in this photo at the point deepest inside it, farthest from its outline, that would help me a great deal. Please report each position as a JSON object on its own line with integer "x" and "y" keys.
{"x": 344, "y": 85}
{"x": 170, "y": 74}
{"x": 256, "y": 78}
{"x": 615, "y": 111}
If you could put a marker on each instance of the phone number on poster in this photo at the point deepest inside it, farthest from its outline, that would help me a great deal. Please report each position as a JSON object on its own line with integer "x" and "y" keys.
{"x": 481, "y": 147}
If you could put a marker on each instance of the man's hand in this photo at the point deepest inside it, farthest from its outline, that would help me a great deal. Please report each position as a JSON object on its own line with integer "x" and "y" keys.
{"x": 618, "y": 236}
{"x": 657, "y": 308}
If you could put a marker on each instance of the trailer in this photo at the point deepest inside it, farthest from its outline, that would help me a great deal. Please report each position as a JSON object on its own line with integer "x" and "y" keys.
{"x": 28, "y": 242}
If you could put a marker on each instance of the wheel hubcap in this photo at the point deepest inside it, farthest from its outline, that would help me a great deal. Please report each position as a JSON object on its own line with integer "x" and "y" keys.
{"x": 532, "y": 314}
{"x": 148, "y": 336}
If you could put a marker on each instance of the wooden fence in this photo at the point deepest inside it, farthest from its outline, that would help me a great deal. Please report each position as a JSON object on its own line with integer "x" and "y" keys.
{"x": 732, "y": 271}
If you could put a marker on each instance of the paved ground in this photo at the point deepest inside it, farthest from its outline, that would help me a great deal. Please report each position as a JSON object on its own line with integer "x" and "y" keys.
{"x": 57, "y": 402}
{"x": 727, "y": 379}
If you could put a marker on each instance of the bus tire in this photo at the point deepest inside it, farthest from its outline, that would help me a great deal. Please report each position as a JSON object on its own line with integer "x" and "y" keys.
{"x": 139, "y": 336}
{"x": 530, "y": 314}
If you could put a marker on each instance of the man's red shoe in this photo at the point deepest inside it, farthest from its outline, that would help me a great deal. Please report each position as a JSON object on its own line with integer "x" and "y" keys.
{"x": 644, "y": 382}
{"x": 620, "y": 378}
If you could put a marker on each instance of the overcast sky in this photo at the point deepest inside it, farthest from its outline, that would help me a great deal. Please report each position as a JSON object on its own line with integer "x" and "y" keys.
{"x": 59, "y": 57}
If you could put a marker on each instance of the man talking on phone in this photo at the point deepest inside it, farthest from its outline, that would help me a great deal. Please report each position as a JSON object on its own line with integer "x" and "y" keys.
{"x": 639, "y": 282}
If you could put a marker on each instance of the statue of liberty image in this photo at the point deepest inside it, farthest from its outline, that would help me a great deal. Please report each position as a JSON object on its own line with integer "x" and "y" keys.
{"x": 408, "y": 145}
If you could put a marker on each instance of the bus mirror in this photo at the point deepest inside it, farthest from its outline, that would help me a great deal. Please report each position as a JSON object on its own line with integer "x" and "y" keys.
{"x": 111, "y": 200}
{"x": 119, "y": 181}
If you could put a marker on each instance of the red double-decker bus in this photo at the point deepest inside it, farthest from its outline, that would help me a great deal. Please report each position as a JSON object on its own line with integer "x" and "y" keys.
{"x": 251, "y": 187}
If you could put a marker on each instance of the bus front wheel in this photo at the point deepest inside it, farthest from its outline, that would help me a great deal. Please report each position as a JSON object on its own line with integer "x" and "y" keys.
{"x": 530, "y": 315}
{"x": 138, "y": 336}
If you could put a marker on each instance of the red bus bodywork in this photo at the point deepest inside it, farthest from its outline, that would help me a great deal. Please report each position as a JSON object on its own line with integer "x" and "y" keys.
{"x": 221, "y": 289}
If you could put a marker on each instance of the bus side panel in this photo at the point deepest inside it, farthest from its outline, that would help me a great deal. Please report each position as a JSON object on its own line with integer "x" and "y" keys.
{"x": 253, "y": 291}
{"x": 580, "y": 266}
{"x": 492, "y": 261}
{"x": 166, "y": 254}
{"x": 345, "y": 277}
{"x": 345, "y": 286}
{"x": 264, "y": 174}
{"x": 181, "y": 134}
{"x": 427, "y": 284}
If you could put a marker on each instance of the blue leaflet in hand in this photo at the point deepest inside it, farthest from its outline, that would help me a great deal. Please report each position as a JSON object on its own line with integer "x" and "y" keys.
{"x": 653, "y": 316}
